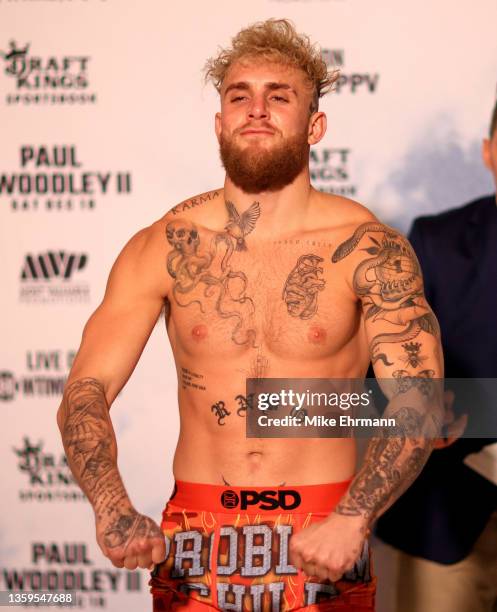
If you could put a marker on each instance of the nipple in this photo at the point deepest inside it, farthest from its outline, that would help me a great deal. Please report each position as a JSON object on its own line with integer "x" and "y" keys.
{"x": 316, "y": 335}
{"x": 199, "y": 332}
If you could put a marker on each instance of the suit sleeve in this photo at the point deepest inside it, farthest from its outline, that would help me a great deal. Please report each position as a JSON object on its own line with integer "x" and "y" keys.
{"x": 416, "y": 238}
{"x": 419, "y": 239}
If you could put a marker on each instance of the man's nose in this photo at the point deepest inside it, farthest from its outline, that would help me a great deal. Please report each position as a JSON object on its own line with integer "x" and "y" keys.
{"x": 258, "y": 108}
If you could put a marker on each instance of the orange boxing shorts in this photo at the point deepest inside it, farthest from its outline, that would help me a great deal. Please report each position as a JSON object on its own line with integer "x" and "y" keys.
{"x": 227, "y": 549}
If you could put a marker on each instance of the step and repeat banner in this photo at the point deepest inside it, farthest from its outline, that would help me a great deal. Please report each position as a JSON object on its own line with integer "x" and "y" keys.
{"x": 105, "y": 125}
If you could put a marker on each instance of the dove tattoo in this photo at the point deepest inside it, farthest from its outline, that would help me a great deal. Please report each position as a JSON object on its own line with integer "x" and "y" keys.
{"x": 239, "y": 226}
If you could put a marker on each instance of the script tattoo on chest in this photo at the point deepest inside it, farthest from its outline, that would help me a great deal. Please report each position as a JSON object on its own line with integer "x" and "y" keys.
{"x": 302, "y": 286}
{"x": 191, "y": 265}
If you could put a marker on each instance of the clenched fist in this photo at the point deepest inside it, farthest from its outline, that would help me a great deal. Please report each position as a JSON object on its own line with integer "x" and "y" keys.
{"x": 329, "y": 548}
{"x": 131, "y": 540}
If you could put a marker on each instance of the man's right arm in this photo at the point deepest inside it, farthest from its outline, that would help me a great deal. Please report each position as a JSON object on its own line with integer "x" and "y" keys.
{"x": 113, "y": 340}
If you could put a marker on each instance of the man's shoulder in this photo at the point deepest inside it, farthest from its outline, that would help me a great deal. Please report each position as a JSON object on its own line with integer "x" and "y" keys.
{"x": 459, "y": 216}
{"x": 198, "y": 207}
{"x": 344, "y": 213}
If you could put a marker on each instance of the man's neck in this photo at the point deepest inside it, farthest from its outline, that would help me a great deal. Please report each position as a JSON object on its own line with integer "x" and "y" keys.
{"x": 282, "y": 212}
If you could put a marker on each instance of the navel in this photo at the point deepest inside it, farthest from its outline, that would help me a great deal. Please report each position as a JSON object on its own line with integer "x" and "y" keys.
{"x": 316, "y": 335}
{"x": 199, "y": 332}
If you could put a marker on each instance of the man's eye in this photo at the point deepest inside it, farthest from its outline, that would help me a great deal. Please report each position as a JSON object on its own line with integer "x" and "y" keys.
{"x": 279, "y": 99}
{"x": 238, "y": 98}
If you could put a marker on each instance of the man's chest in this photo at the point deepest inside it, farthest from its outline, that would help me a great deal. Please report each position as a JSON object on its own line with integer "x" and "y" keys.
{"x": 284, "y": 295}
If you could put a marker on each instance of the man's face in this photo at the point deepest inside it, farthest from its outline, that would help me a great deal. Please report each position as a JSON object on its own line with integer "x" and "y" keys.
{"x": 490, "y": 155}
{"x": 265, "y": 126}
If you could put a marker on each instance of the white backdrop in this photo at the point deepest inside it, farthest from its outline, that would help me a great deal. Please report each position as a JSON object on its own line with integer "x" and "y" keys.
{"x": 115, "y": 86}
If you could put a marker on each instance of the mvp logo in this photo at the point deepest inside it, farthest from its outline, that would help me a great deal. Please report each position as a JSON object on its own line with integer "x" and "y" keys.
{"x": 52, "y": 264}
{"x": 264, "y": 500}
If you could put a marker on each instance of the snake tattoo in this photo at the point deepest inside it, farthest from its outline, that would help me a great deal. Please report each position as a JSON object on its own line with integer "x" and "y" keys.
{"x": 390, "y": 284}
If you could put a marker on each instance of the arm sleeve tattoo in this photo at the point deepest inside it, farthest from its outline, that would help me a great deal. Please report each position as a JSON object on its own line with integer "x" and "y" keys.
{"x": 393, "y": 459}
{"x": 404, "y": 345}
{"x": 90, "y": 446}
{"x": 91, "y": 451}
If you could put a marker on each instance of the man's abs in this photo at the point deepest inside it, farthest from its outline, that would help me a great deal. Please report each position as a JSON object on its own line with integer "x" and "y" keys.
{"x": 229, "y": 458}
{"x": 213, "y": 446}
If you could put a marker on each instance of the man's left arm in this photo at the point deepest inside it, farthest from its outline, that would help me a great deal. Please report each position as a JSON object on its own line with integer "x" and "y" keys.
{"x": 404, "y": 345}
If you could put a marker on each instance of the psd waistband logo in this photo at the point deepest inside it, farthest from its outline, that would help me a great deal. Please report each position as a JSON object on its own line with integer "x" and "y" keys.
{"x": 264, "y": 500}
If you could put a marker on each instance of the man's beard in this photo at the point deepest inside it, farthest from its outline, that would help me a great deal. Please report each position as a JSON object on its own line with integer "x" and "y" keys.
{"x": 256, "y": 169}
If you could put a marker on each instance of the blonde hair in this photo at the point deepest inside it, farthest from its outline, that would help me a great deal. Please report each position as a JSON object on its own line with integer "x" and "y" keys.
{"x": 275, "y": 40}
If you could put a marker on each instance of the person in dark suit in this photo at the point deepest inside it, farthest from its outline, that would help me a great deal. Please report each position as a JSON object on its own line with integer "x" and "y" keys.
{"x": 445, "y": 525}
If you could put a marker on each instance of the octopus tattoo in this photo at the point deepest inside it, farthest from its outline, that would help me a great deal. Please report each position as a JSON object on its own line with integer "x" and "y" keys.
{"x": 189, "y": 266}
{"x": 302, "y": 286}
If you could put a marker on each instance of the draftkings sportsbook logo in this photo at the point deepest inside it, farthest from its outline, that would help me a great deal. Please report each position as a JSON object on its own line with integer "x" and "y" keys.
{"x": 37, "y": 79}
{"x": 48, "y": 277}
{"x": 348, "y": 81}
{"x": 48, "y": 475}
{"x": 330, "y": 172}
{"x": 262, "y": 500}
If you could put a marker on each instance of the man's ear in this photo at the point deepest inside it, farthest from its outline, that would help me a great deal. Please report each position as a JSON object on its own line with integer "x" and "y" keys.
{"x": 317, "y": 128}
{"x": 217, "y": 126}
{"x": 485, "y": 153}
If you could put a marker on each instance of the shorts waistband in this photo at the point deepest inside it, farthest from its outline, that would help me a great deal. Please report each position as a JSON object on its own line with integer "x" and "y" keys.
{"x": 257, "y": 500}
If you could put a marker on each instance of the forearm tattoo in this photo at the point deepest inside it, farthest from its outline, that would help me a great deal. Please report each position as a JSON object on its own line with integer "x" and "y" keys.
{"x": 90, "y": 445}
{"x": 390, "y": 465}
{"x": 389, "y": 283}
{"x": 91, "y": 452}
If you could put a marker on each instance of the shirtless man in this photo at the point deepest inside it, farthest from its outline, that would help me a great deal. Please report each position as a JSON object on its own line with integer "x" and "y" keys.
{"x": 264, "y": 278}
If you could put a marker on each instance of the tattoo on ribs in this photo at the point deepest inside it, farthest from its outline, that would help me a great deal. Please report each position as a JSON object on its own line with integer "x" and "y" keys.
{"x": 192, "y": 380}
{"x": 192, "y": 266}
{"x": 300, "y": 292}
{"x": 390, "y": 284}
